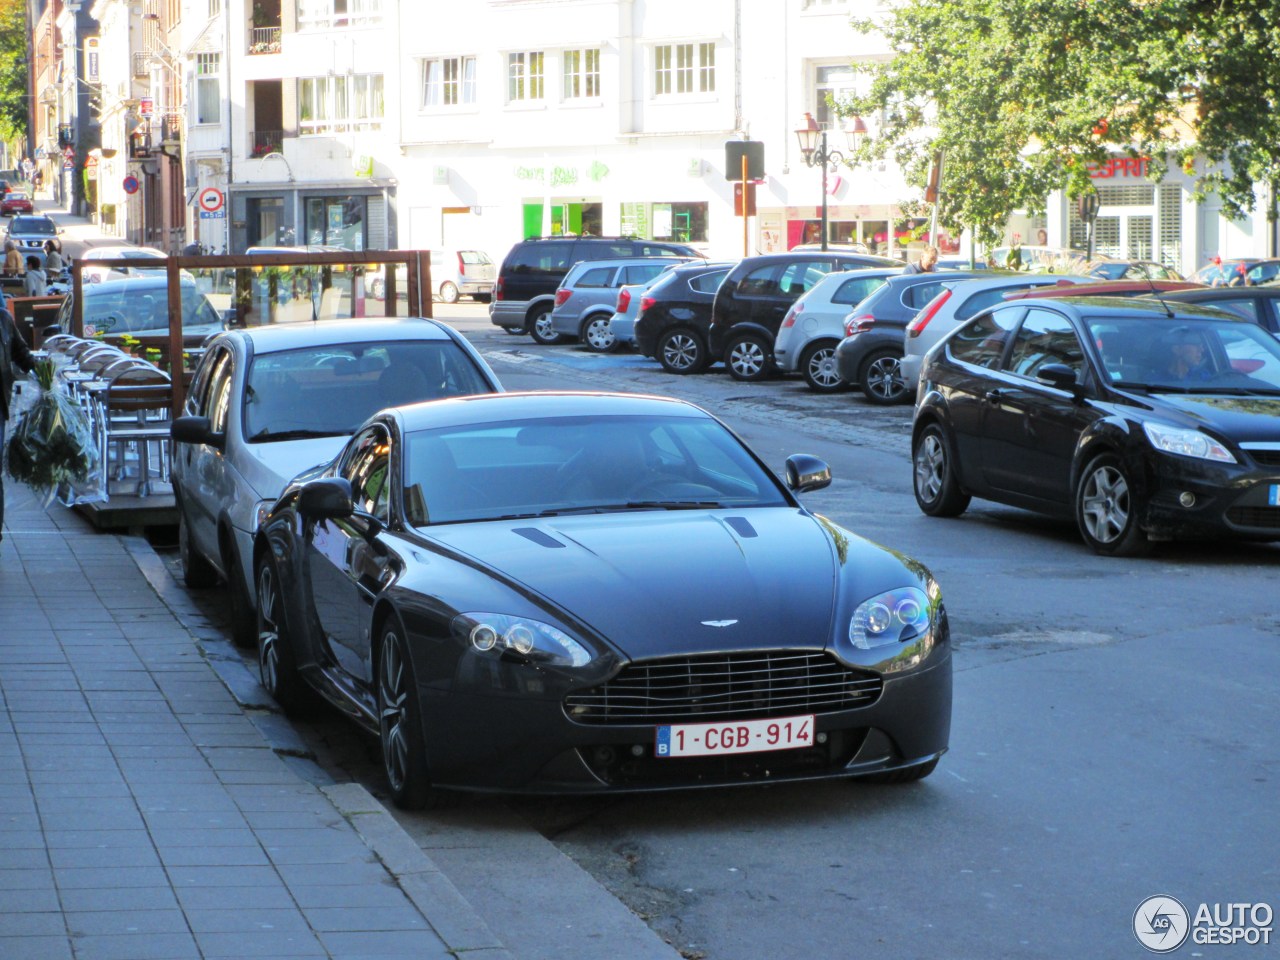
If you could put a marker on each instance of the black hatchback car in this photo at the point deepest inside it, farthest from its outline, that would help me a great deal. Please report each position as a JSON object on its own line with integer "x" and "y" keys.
{"x": 675, "y": 316}
{"x": 1141, "y": 422}
{"x": 871, "y": 352}
{"x": 754, "y": 298}
{"x": 524, "y": 294}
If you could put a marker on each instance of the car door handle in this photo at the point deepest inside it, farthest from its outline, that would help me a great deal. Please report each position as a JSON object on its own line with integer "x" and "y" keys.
{"x": 993, "y": 396}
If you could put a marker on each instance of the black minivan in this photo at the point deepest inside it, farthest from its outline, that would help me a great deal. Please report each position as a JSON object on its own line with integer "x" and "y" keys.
{"x": 525, "y": 291}
{"x": 753, "y": 299}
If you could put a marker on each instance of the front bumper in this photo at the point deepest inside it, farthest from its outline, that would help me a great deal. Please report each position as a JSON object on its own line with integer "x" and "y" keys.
{"x": 1234, "y": 500}
{"x": 520, "y": 744}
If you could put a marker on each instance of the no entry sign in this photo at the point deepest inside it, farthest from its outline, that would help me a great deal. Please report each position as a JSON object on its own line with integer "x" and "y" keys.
{"x": 210, "y": 199}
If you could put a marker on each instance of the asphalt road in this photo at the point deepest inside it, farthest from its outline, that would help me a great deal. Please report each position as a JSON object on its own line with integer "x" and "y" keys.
{"x": 1114, "y": 738}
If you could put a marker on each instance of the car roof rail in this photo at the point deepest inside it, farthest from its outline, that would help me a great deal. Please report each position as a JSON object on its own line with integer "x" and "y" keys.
{"x": 592, "y": 236}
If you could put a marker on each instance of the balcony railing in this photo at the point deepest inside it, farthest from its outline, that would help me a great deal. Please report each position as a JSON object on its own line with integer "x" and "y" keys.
{"x": 267, "y": 141}
{"x": 264, "y": 40}
{"x": 171, "y": 128}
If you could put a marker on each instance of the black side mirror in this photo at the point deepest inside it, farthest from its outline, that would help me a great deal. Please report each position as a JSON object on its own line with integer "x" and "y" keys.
{"x": 196, "y": 430}
{"x": 328, "y": 498}
{"x": 1058, "y": 375}
{"x": 805, "y": 473}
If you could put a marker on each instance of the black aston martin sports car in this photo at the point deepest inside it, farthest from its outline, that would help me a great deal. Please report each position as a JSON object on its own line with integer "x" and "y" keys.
{"x": 560, "y": 592}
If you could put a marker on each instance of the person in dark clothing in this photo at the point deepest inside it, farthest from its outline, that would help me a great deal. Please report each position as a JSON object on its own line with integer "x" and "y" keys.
{"x": 927, "y": 263}
{"x": 13, "y": 351}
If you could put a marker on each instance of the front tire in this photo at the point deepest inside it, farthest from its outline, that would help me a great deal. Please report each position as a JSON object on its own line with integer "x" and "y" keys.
{"x": 682, "y": 351}
{"x": 748, "y": 358}
{"x": 881, "y": 378}
{"x": 821, "y": 372}
{"x": 277, "y": 665}
{"x": 597, "y": 336}
{"x": 449, "y": 292}
{"x": 197, "y": 572}
{"x": 1107, "y": 509}
{"x": 540, "y": 327}
{"x": 404, "y": 759}
{"x": 937, "y": 488}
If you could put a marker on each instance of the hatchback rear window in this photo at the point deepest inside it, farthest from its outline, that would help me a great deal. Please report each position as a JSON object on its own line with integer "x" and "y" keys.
{"x": 473, "y": 256}
{"x": 597, "y": 277}
{"x": 856, "y": 289}
{"x": 709, "y": 282}
{"x": 919, "y": 294}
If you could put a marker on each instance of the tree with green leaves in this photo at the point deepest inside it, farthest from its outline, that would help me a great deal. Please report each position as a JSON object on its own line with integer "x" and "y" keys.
{"x": 1021, "y": 96}
{"x": 14, "y": 96}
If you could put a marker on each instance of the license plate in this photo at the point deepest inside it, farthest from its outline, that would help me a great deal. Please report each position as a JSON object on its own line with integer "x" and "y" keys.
{"x": 1273, "y": 496}
{"x": 735, "y": 736}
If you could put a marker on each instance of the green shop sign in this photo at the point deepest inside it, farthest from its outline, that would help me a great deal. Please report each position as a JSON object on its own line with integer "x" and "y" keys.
{"x": 562, "y": 176}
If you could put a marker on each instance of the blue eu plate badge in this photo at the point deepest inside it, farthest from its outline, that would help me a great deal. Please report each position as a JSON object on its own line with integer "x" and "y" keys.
{"x": 1273, "y": 496}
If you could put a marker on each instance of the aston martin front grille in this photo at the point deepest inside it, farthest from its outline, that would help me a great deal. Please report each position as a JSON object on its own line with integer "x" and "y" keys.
{"x": 713, "y": 687}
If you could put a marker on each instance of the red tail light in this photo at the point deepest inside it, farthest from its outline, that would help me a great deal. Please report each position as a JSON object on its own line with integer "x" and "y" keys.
{"x": 562, "y": 295}
{"x": 646, "y": 303}
{"x": 497, "y": 289}
{"x": 462, "y": 266}
{"x": 795, "y": 311}
{"x": 624, "y": 300}
{"x": 858, "y": 324}
{"x": 930, "y": 310}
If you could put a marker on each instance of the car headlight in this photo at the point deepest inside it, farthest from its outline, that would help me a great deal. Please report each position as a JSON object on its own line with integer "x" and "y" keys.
{"x": 531, "y": 639}
{"x": 895, "y": 616}
{"x": 1186, "y": 443}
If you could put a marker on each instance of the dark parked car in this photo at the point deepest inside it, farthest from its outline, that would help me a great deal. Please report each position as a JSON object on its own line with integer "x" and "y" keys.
{"x": 1138, "y": 420}
{"x": 754, "y": 298}
{"x": 525, "y": 292}
{"x": 588, "y": 593}
{"x": 675, "y": 314}
{"x": 1238, "y": 272}
{"x": 870, "y": 355}
{"x": 1259, "y": 304}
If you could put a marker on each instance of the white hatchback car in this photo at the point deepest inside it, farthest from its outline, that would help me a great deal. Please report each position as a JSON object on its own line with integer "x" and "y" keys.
{"x": 268, "y": 402}
{"x": 91, "y": 272}
{"x": 814, "y": 325}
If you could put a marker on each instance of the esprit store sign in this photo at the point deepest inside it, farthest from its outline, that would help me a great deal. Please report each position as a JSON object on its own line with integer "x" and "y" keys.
{"x": 1119, "y": 167}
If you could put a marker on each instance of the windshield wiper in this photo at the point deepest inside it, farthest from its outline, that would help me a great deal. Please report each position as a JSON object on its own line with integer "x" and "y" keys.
{"x": 294, "y": 434}
{"x": 670, "y": 505}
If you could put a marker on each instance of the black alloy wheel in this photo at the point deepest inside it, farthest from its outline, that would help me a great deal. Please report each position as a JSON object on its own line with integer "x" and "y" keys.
{"x": 748, "y": 358}
{"x": 449, "y": 292}
{"x": 596, "y": 335}
{"x": 819, "y": 367}
{"x": 881, "y": 378}
{"x": 682, "y": 351}
{"x": 277, "y": 665}
{"x": 404, "y": 758}
{"x": 1107, "y": 509}
{"x": 540, "y": 327}
{"x": 937, "y": 488}
{"x": 197, "y": 572}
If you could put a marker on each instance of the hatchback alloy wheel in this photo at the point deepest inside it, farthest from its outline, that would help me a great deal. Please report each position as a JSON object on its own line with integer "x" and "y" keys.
{"x": 881, "y": 379}
{"x": 597, "y": 335}
{"x": 449, "y": 292}
{"x": 937, "y": 489}
{"x": 680, "y": 351}
{"x": 541, "y": 330}
{"x": 747, "y": 358}
{"x": 1106, "y": 510}
{"x": 821, "y": 372}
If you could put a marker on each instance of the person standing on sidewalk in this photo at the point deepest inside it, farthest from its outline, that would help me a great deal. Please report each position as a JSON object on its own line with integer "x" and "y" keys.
{"x": 13, "y": 351}
{"x": 13, "y": 265}
{"x": 927, "y": 263}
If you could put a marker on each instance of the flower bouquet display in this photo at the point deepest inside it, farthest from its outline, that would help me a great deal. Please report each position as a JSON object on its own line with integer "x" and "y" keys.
{"x": 53, "y": 449}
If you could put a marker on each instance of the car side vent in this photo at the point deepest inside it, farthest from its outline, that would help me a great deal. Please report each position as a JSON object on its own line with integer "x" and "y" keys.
{"x": 539, "y": 537}
{"x": 741, "y": 526}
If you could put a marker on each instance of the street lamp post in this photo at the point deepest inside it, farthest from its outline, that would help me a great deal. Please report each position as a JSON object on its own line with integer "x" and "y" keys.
{"x": 813, "y": 147}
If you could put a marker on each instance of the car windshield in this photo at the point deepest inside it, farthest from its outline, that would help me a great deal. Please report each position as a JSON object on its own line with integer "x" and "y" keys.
{"x": 569, "y": 465}
{"x": 142, "y": 308}
{"x": 1188, "y": 355}
{"x": 39, "y": 225}
{"x": 329, "y": 390}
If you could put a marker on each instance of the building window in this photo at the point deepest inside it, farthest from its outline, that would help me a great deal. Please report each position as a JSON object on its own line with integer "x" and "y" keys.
{"x": 326, "y": 14}
{"x": 525, "y": 79}
{"x": 339, "y": 104}
{"x": 679, "y": 222}
{"x": 208, "y": 88}
{"x": 337, "y": 221}
{"x": 448, "y": 81}
{"x": 684, "y": 68}
{"x": 215, "y": 8}
{"x": 582, "y": 74}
